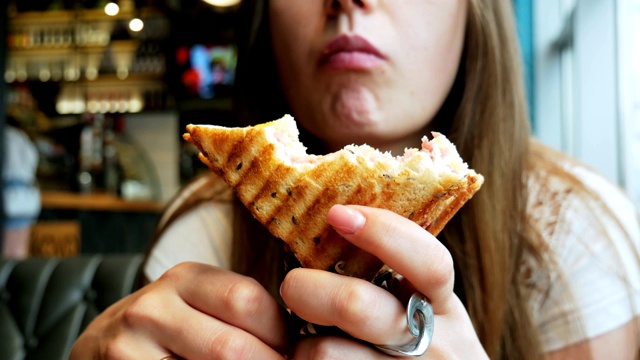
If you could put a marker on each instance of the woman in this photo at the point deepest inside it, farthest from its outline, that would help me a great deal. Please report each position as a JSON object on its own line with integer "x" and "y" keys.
{"x": 520, "y": 273}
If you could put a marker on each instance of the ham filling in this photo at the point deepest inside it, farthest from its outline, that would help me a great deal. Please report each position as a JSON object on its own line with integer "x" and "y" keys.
{"x": 438, "y": 152}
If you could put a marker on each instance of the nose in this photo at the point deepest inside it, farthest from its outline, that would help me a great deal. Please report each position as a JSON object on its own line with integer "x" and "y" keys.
{"x": 335, "y": 7}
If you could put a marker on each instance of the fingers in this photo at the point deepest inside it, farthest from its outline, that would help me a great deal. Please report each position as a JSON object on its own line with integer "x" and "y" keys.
{"x": 322, "y": 347}
{"x": 358, "y": 307}
{"x": 457, "y": 341}
{"x": 194, "y": 311}
{"x": 115, "y": 347}
{"x": 369, "y": 314}
{"x": 232, "y": 298}
{"x": 168, "y": 320}
{"x": 401, "y": 244}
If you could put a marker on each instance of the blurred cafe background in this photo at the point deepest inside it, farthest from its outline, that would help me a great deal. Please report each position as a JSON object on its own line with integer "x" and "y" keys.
{"x": 103, "y": 91}
{"x": 99, "y": 93}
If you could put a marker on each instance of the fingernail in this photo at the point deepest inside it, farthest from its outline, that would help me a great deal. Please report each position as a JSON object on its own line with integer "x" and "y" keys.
{"x": 282, "y": 298}
{"x": 346, "y": 220}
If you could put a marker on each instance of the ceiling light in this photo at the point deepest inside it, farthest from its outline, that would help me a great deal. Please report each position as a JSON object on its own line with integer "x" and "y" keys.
{"x": 136, "y": 24}
{"x": 222, "y": 3}
{"x": 111, "y": 9}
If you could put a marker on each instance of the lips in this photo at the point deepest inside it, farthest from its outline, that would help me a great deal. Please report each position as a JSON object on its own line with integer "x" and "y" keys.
{"x": 350, "y": 52}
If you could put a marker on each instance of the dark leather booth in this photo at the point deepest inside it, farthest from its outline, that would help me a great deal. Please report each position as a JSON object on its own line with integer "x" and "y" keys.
{"x": 46, "y": 302}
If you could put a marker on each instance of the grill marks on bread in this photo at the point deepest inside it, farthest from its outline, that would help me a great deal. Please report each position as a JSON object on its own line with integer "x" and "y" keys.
{"x": 291, "y": 194}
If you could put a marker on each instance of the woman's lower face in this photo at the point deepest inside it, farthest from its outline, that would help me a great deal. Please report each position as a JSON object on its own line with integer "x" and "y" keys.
{"x": 373, "y": 71}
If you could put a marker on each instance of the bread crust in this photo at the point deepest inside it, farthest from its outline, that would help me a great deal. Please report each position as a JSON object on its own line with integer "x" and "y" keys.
{"x": 292, "y": 200}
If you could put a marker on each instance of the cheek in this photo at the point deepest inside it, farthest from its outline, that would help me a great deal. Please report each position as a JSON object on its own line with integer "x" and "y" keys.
{"x": 280, "y": 24}
{"x": 291, "y": 31}
{"x": 435, "y": 46}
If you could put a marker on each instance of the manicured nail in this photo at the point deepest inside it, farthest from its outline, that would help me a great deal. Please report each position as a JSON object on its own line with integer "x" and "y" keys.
{"x": 345, "y": 220}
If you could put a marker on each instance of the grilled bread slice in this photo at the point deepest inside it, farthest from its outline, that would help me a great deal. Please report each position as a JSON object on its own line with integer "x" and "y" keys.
{"x": 290, "y": 191}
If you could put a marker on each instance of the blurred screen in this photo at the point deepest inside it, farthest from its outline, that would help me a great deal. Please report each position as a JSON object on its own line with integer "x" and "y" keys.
{"x": 206, "y": 71}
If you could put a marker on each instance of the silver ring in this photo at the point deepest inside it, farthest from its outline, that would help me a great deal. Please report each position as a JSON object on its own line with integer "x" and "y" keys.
{"x": 422, "y": 329}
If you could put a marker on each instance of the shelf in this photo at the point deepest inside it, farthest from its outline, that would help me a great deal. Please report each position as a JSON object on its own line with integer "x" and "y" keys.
{"x": 112, "y": 81}
{"x": 54, "y": 51}
{"x": 97, "y": 202}
{"x": 116, "y": 46}
{"x": 65, "y": 16}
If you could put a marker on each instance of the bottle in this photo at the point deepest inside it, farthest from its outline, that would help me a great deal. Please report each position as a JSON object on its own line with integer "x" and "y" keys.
{"x": 111, "y": 175}
{"x": 97, "y": 154}
{"x": 85, "y": 156}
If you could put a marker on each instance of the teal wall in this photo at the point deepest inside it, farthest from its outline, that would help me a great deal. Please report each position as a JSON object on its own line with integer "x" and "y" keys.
{"x": 524, "y": 18}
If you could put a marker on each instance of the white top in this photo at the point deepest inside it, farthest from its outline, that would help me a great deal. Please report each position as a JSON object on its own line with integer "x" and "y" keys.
{"x": 21, "y": 195}
{"x": 21, "y": 156}
{"x": 201, "y": 235}
{"x": 594, "y": 242}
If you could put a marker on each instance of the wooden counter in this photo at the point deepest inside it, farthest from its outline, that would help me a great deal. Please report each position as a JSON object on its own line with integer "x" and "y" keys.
{"x": 97, "y": 202}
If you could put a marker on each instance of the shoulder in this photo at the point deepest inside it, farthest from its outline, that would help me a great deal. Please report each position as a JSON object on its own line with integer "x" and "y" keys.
{"x": 565, "y": 191}
{"x": 590, "y": 236}
{"x": 21, "y": 154}
{"x": 14, "y": 134}
{"x": 201, "y": 189}
{"x": 203, "y": 234}
{"x": 197, "y": 226}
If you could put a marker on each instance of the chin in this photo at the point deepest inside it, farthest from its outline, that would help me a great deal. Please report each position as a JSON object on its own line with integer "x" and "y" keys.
{"x": 353, "y": 106}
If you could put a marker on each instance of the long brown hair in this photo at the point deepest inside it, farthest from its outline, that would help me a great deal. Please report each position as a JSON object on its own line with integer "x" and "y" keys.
{"x": 491, "y": 129}
{"x": 485, "y": 115}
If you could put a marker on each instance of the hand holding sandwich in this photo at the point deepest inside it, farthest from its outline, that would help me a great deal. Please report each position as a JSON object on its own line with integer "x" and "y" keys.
{"x": 194, "y": 311}
{"x": 295, "y": 195}
{"x": 370, "y": 313}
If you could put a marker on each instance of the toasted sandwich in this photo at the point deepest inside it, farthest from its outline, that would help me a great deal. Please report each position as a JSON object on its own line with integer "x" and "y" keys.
{"x": 290, "y": 191}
